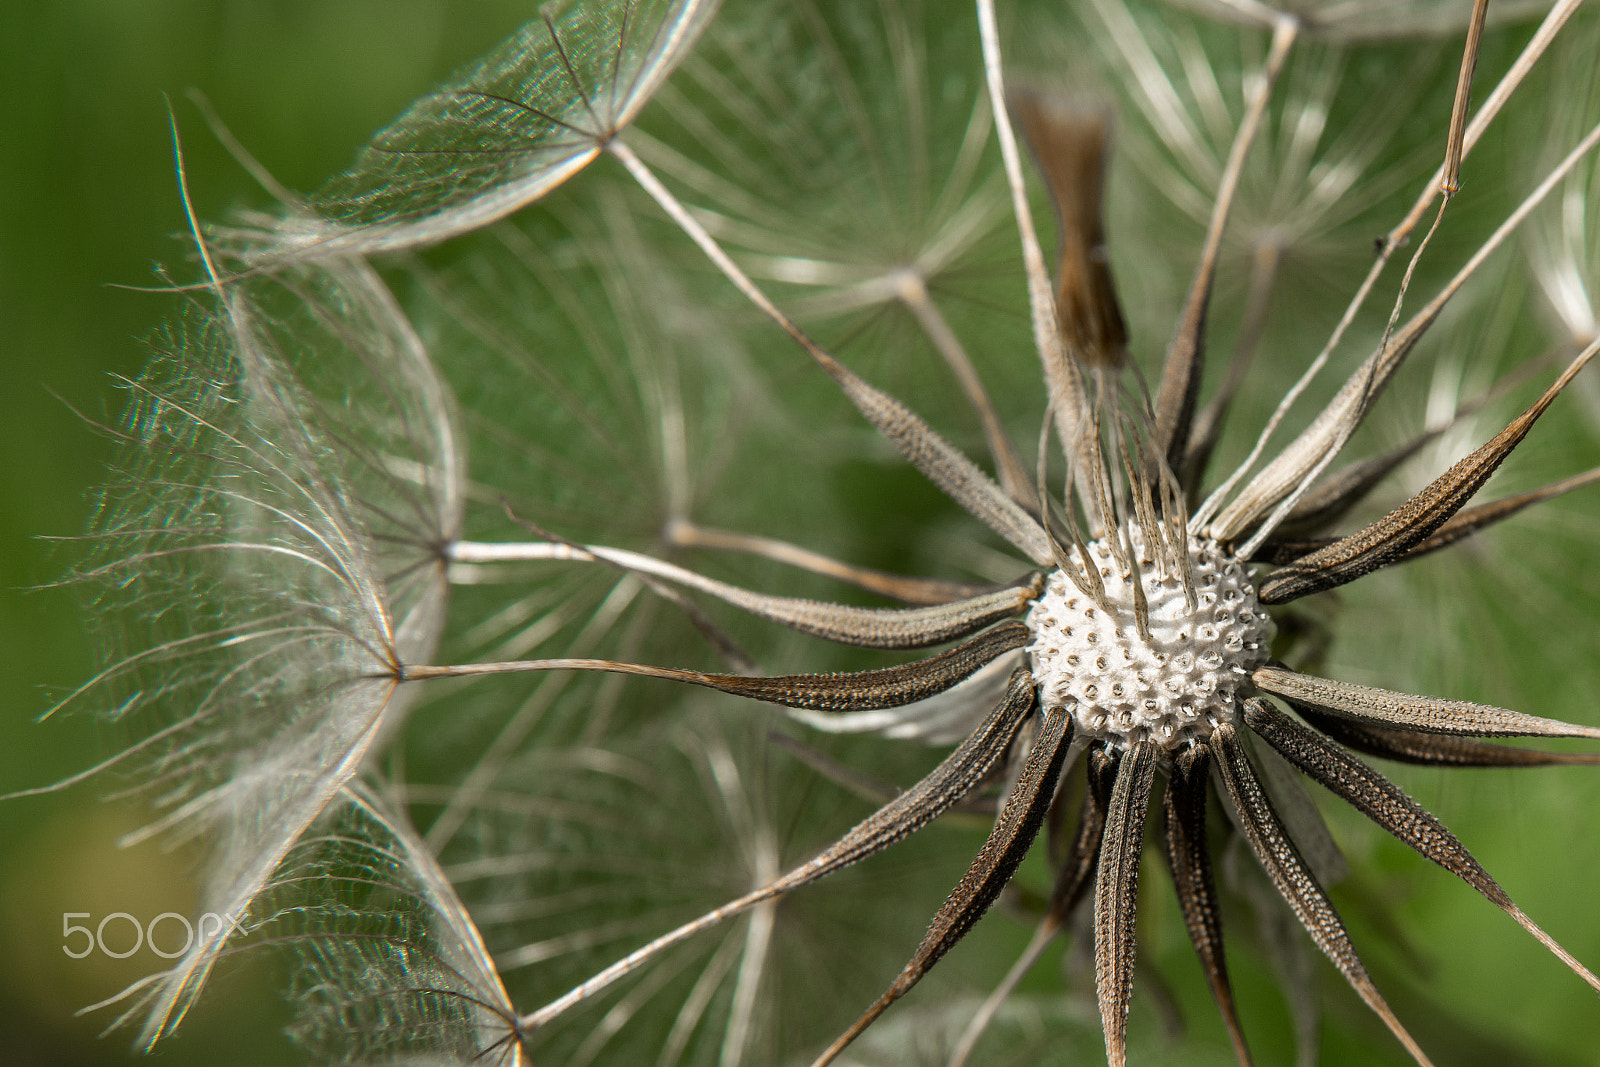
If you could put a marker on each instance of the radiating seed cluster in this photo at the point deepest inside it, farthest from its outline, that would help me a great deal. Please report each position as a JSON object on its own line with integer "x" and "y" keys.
{"x": 1173, "y": 687}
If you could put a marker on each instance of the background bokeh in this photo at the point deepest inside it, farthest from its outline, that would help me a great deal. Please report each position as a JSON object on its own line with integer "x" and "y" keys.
{"x": 88, "y": 204}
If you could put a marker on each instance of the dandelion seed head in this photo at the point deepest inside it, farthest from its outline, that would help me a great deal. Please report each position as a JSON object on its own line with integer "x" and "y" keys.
{"x": 851, "y": 175}
{"x": 1171, "y": 688}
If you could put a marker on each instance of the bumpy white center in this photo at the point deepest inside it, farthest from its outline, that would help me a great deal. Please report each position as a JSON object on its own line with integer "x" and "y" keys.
{"x": 1175, "y": 686}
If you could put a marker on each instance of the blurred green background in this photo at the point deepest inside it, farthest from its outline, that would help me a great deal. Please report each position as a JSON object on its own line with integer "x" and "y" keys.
{"x": 89, "y": 204}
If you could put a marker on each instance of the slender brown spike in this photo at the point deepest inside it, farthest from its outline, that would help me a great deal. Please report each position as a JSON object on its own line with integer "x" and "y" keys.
{"x": 965, "y": 769}
{"x": 866, "y": 627}
{"x": 1450, "y": 183}
{"x": 1434, "y": 750}
{"x": 684, "y": 534}
{"x": 1085, "y": 577}
{"x": 1388, "y": 805}
{"x": 1080, "y": 443}
{"x": 1108, "y": 428}
{"x": 1101, "y": 767}
{"x": 885, "y": 687}
{"x": 1063, "y": 377}
{"x": 1184, "y": 812}
{"x": 1074, "y": 872}
{"x": 1098, "y": 482}
{"x": 1470, "y": 521}
{"x": 1294, "y": 880}
{"x": 1328, "y": 502}
{"x": 1175, "y": 515}
{"x": 1137, "y": 470}
{"x": 1149, "y": 525}
{"x": 1180, "y": 376}
{"x": 1069, "y": 144}
{"x": 1382, "y": 707}
{"x": 1391, "y": 537}
{"x": 1116, "y": 894}
{"x": 938, "y": 459}
{"x": 943, "y": 464}
{"x": 999, "y": 858}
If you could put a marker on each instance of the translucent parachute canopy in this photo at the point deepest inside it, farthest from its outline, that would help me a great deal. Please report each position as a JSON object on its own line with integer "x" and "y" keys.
{"x": 501, "y": 133}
